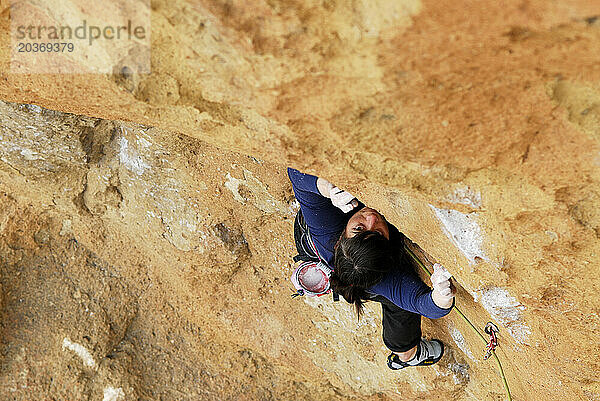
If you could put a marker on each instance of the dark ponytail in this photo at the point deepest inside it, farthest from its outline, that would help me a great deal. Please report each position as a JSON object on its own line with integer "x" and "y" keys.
{"x": 351, "y": 293}
{"x": 360, "y": 262}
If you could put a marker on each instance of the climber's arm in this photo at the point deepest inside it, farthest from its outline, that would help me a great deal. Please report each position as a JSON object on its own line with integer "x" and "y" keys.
{"x": 411, "y": 294}
{"x": 321, "y": 216}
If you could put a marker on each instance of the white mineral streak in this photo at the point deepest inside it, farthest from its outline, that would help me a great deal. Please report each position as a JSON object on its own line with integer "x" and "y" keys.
{"x": 29, "y": 154}
{"x": 463, "y": 231}
{"x": 507, "y": 311}
{"x": 113, "y": 394}
{"x": 81, "y": 352}
{"x": 35, "y": 108}
{"x": 66, "y": 227}
{"x": 130, "y": 158}
{"x": 233, "y": 185}
{"x": 259, "y": 195}
{"x": 144, "y": 142}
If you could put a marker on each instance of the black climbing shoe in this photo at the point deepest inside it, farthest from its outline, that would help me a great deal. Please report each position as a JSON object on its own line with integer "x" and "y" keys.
{"x": 428, "y": 353}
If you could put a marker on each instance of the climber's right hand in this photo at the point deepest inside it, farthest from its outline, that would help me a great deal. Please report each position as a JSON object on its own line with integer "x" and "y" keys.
{"x": 443, "y": 290}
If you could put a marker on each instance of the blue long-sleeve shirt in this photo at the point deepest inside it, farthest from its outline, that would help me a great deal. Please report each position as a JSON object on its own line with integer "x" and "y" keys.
{"x": 326, "y": 223}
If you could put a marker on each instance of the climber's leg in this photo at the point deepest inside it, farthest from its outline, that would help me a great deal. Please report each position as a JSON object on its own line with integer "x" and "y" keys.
{"x": 401, "y": 328}
{"x": 402, "y": 335}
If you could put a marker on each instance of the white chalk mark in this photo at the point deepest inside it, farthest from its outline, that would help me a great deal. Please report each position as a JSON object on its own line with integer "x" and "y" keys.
{"x": 463, "y": 231}
{"x": 460, "y": 341}
{"x": 113, "y": 394}
{"x": 466, "y": 196}
{"x": 460, "y": 372}
{"x": 81, "y": 351}
{"x": 506, "y": 310}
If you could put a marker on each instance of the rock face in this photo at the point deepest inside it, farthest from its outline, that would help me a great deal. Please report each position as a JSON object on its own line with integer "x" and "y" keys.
{"x": 146, "y": 220}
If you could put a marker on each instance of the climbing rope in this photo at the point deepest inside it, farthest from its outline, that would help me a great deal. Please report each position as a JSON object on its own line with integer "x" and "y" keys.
{"x": 490, "y": 345}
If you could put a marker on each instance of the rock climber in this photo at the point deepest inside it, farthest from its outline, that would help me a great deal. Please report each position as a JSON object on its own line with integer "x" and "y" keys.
{"x": 369, "y": 263}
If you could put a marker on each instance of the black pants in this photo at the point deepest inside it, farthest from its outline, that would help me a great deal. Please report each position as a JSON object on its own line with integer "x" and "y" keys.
{"x": 401, "y": 328}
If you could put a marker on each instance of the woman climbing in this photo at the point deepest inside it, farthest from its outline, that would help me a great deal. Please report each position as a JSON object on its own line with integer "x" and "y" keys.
{"x": 369, "y": 263}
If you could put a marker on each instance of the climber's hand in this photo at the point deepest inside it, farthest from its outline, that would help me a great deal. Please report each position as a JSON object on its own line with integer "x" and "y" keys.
{"x": 443, "y": 290}
{"x": 341, "y": 199}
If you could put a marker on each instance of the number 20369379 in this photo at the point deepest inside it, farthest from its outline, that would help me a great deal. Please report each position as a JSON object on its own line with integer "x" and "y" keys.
{"x": 55, "y": 47}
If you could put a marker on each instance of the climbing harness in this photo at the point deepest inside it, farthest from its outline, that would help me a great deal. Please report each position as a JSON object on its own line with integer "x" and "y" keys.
{"x": 491, "y": 329}
{"x": 492, "y": 351}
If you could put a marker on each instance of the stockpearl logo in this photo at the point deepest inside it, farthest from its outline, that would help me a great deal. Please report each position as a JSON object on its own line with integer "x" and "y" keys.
{"x": 80, "y": 36}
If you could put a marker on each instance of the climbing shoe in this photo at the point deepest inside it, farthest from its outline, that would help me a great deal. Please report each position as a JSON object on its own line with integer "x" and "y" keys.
{"x": 428, "y": 353}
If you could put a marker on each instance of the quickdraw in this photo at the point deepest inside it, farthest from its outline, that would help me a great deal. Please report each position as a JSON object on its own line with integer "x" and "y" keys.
{"x": 491, "y": 329}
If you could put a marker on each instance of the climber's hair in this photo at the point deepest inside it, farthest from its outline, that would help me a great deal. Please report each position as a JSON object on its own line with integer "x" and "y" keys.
{"x": 360, "y": 262}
